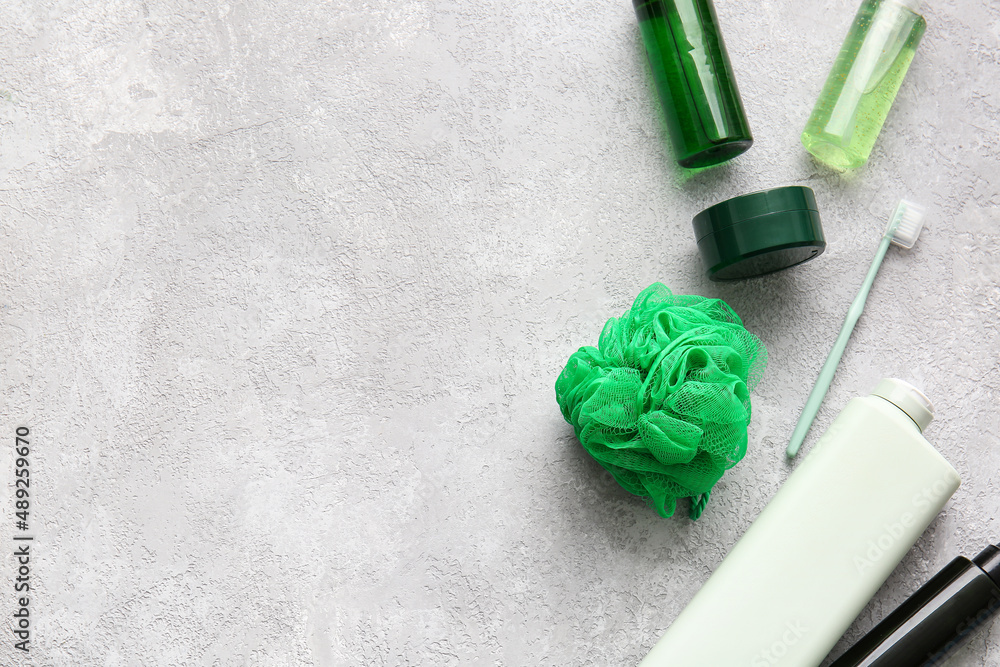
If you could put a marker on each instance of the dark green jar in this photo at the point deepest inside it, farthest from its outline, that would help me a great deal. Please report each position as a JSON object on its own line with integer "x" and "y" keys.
{"x": 759, "y": 233}
{"x": 694, "y": 80}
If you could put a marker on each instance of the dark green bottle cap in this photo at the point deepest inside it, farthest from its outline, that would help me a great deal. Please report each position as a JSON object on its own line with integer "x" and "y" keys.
{"x": 759, "y": 233}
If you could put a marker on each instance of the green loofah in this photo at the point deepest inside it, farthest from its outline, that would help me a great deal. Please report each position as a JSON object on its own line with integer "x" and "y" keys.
{"x": 663, "y": 401}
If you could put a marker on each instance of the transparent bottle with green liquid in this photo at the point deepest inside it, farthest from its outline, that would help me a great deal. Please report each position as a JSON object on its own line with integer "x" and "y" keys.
{"x": 694, "y": 80}
{"x": 863, "y": 83}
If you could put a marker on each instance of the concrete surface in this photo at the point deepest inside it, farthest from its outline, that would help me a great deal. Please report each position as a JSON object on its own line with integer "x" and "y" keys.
{"x": 286, "y": 287}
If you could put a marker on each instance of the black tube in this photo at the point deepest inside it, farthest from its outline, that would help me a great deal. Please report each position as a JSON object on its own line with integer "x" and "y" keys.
{"x": 935, "y": 621}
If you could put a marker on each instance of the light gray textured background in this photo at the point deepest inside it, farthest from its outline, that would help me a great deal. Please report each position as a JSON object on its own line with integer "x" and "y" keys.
{"x": 286, "y": 287}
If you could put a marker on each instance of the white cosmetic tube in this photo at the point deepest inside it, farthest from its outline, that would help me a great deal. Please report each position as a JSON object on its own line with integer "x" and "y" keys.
{"x": 824, "y": 544}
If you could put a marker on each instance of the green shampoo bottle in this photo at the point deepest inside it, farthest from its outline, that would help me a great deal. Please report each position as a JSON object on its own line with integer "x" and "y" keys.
{"x": 863, "y": 83}
{"x": 694, "y": 80}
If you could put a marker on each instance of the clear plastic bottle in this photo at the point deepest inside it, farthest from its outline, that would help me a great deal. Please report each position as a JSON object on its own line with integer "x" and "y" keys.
{"x": 824, "y": 544}
{"x": 694, "y": 80}
{"x": 863, "y": 83}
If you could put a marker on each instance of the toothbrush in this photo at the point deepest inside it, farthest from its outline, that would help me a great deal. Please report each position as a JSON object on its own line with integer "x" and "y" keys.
{"x": 902, "y": 230}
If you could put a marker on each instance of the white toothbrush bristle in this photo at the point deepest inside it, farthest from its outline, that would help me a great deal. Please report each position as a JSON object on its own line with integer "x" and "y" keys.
{"x": 911, "y": 221}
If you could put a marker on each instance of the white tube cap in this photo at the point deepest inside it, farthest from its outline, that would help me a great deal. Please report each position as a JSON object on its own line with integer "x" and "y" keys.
{"x": 907, "y": 398}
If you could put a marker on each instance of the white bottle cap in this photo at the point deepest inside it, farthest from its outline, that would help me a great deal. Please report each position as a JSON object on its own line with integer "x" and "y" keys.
{"x": 907, "y": 398}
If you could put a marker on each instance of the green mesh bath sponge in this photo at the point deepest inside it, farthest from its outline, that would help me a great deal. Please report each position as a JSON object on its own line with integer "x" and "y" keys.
{"x": 663, "y": 401}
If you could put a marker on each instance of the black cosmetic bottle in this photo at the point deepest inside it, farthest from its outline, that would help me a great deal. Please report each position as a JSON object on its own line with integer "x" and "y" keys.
{"x": 936, "y": 620}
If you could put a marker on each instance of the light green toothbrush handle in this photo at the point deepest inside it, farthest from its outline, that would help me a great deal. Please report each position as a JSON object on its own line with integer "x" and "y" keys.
{"x": 830, "y": 367}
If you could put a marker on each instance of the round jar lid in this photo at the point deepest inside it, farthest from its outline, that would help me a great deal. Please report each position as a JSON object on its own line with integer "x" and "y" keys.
{"x": 759, "y": 233}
